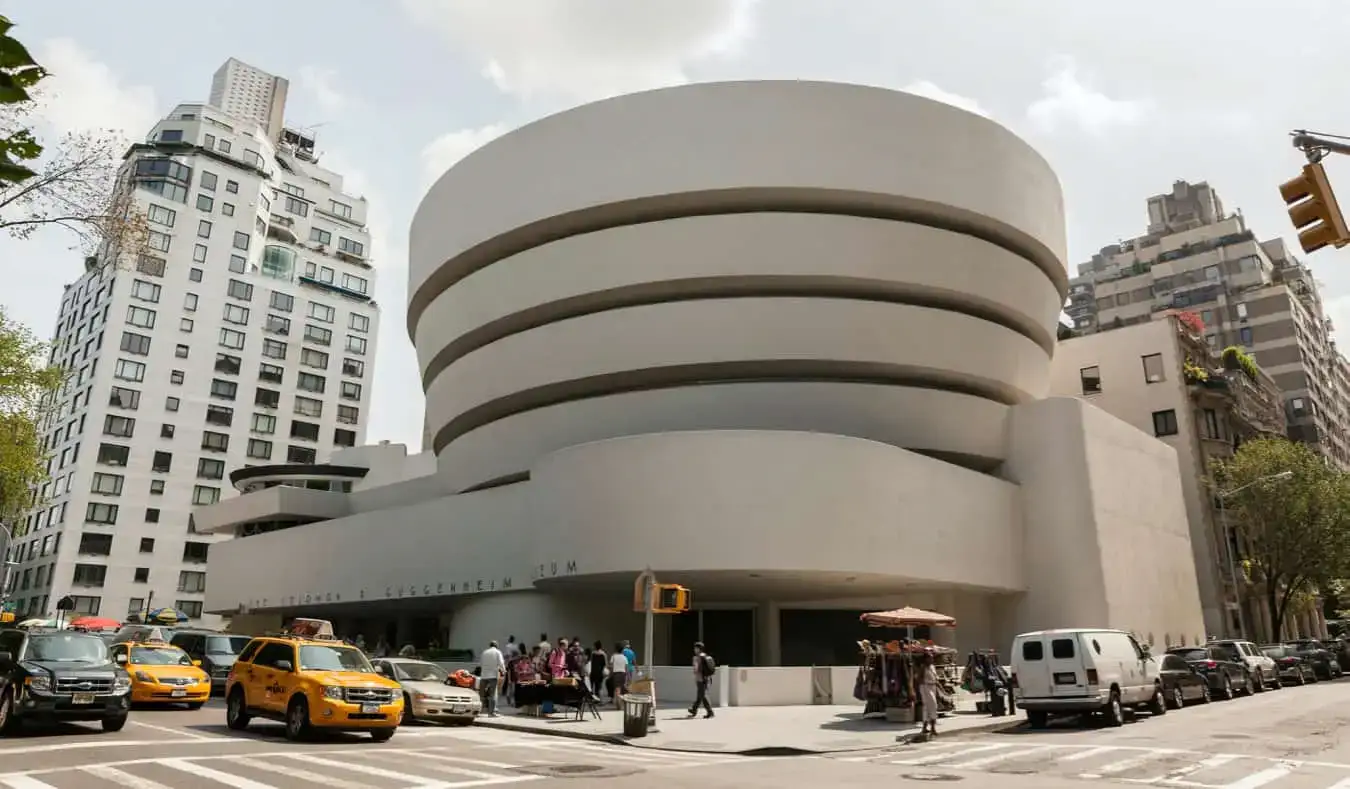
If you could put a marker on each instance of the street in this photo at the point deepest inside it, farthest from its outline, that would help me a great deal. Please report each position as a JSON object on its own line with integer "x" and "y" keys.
{"x": 1287, "y": 739}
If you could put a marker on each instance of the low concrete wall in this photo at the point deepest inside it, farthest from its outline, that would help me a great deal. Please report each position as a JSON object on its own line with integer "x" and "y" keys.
{"x": 763, "y": 686}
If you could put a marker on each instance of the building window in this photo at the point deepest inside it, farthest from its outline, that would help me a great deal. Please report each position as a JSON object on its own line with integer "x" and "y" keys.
{"x": 147, "y": 545}
{"x": 240, "y": 290}
{"x": 176, "y": 377}
{"x": 121, "y": 426}
{"x": 137, "y": 344}
{"x": 97, "y": 512}
{"x": 267, "y": 398}
{"x": 339, "y": 209}
{"x": 304, "y": 455}
{"x": 1245, "y": 335}
{"x": 208, "y": 468}
{"x": 308, "y": 406}
{"x": 140, "y": 316}
{"x": 152, "y": 515}
{"x": 1165, "y": 423}
{"x": 1091, "y": 378}
{"x": 216, "y": 442}
{"x": 145, "y": 290}
{"x": 191, "y": 582}
{"x": 318, "y": 335}
{"x": 1153, "y": 368}
{"x": 259, "y": 449}
{"x": 277, "y": 325}
{"x": 107, "y": 484}
{"x": 156, "y": 487}
{"x": 348, "y": 415}
{"x": 129, "y": 399}
{"x": 273, "y": 349}
{"x": 312, "y": 358}
{"x": 234, "y": 340}
{"x": 353, "y": 367}
{"x": 350, "y": 391}
{"x": 225, "y": 390}
{"x": 166, "y": 431}
{"x": 236, "y": 314}
{"x": 321, "y": 312}
{"x": 344, "y": 438}
{"x": 204, "y": 495}
{"x": 310, "y": 382}
{"x": 208, "y": 179}
{"x": 227, "y": 364}
{"x": 282, "y": 302}
{"x": 171, "y": 403}
{"x": 238, "y": 265}
{"x": 162, "y": 463}
{"x": 358, "y": 322}
{"x": 263, "y": 423}
{"x": 181, "y": 351}
{"x": 89, "y": 575}
{"x": 191, "y": 608}
{"x": 270, "y": 373}
{"x": 160, "y": 215}
{"x": 227, "y": 209}
{"x": 159, "y": 242}
{"x": 320, "y": 236}
{"x": 190, "y": 302}
{"x": 113, "y": 454}
{"x": 241, "y": 240}
{"x": 205, "y": 203}
{"x": 1213, "y": 425}
{"x": 142, "y": 576}
{"x": 356, "y": 344}
{"x": 1242, "y": 311}
{"x": 185, "y": 325}
{"x": 219, "y": 415}
{"x": 351, "y": 247}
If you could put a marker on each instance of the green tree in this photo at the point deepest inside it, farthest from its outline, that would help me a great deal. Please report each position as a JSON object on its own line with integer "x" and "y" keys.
{"x": 18, "y": 74}
{"x": 1291, "y": 513}
{"x": 27, "y": 388}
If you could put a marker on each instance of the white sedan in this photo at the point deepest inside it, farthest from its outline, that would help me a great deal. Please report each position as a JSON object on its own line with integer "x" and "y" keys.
{"x": 426, "y": 696}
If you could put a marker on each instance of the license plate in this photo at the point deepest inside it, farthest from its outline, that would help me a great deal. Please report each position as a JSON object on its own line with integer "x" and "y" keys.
{"x": 459, "y": 709}
{"x": 178, "y": 693}
{"x": 1066, "y": 678}
{"x": 82, "y": 698}
{"x": 370, "y": 709}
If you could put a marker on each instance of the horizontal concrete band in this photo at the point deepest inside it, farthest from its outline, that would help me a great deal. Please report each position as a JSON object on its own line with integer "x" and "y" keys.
{"x": 966, "y": 429}
{"x": 789, "y": 255}
{"x": 737, "y": 201}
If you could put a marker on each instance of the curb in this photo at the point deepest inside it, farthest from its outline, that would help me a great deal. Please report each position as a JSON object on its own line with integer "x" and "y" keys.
{"x": 784, "y": 750}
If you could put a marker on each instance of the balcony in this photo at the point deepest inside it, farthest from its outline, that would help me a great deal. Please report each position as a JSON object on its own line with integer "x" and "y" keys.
{"x": 282, "y": 228}
{"x": 1252, "y": 395}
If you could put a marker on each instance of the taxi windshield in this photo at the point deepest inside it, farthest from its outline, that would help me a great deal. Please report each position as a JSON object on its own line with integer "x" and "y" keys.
{"x": 314, "y": 657}
{"x": 159, "y": 656}
{"x": 419, "y": 672}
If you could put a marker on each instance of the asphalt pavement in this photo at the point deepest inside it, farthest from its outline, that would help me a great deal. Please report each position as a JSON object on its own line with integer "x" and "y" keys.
{"x": 1286, "y": 739}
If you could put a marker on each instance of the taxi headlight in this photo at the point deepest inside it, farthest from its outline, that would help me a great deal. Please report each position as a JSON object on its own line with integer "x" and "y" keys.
{"x": 333, "y": 692}
{"x": 122, "y": 684}
{"x": 40, "y": 684}
{"x": 144, "y": 676}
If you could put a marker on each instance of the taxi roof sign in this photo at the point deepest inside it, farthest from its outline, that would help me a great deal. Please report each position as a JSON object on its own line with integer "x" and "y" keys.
{"x": 317, "y": 629}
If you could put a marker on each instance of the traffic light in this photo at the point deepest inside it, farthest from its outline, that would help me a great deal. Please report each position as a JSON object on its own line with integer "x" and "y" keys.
{"x": 1314, "y": 211}
{"x": 672, "y": 599}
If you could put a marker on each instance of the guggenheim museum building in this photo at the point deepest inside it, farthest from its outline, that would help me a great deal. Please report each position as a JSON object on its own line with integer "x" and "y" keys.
{"x": 785, "y": 343}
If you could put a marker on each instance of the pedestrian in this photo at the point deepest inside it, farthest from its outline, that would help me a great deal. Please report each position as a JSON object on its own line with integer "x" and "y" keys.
{"x": 618, "y": 674}
{"x": 557, "y": 660}
{"x": 490, "y": 665}
{"x": 510, "y": 654}
{"x": 704, "y": 668}
{"x": 928, "y": 689}
{"x": 599, "y": 665}
{"x": 632, "y": 660}
{"x": 545, "y": 645}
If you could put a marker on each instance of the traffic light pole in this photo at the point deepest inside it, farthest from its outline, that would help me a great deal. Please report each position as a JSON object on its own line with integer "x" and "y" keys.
{"x": 1316, "y": 146}
{"x": 648, "y": 581}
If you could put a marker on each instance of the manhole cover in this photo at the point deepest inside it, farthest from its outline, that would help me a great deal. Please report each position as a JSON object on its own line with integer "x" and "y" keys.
{"x": 931, "y": 777}
{"x": 576, "y": 769}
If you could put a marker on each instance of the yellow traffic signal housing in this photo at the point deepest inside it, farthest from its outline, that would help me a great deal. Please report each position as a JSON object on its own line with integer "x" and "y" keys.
{"x": 672, "y": 599}
{"x": 1314, "y": 210}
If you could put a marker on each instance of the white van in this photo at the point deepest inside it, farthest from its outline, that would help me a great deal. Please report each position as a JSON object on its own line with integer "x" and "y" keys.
{"x": 1083, "y": 671}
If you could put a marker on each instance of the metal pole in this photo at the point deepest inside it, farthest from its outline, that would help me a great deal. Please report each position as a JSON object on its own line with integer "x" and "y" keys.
{"x": 1228, "y": 540}
{"x": 649, "y": 635}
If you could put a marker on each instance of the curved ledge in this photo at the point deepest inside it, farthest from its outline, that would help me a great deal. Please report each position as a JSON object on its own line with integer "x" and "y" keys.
{"x": 296, "y": 470}
{"x": 746, "y": 200}
{"x": 733, "y": 287}
{"x": 798, "y": 370}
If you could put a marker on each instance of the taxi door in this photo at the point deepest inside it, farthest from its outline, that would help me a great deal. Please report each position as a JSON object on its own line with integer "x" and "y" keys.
{"x": 269, "y": 685}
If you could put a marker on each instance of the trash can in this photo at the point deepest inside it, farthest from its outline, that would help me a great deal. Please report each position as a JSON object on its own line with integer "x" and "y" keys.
{"x": 637, "y": 710}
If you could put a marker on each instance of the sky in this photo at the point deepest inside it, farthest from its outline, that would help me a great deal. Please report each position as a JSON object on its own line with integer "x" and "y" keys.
{"x": 1121, "y": 98}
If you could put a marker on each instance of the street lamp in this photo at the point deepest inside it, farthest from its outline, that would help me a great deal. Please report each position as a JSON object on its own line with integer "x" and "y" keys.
{"x": 1223, "y": 496}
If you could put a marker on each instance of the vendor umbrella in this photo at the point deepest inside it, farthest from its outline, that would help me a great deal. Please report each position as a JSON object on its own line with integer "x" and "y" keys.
{"x": 95, "y": 623}
{"x": 38, "y": 623}
{"x": 166, "y": 616}
{"x": 907, "y": 617}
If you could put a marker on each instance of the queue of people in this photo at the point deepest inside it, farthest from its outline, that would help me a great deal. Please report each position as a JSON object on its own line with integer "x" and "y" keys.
{"x": 602, "y": 674}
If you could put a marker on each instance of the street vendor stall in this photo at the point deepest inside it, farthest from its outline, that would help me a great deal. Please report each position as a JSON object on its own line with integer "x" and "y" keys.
{"x": 888, "y": 672}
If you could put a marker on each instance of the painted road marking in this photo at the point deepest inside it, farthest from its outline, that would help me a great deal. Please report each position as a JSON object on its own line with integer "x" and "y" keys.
{"x": 1257, "y": 780}
{"x": 219, "y": 776}
{"x": 297, "y": 773}
{"x": 944, "y": 756}
{"x": 1138, "y": 760}
{"x": 975, "y": 764}
{"x": 180, "y": 732}
{"x": 102, "y": 742}
{"x": 1087, "y": 753}
{"x": 1178, "y": 776}
{"x": 25, "y": 782}
{"x": 378, "y": 772}
{"x": 123, "y": 778}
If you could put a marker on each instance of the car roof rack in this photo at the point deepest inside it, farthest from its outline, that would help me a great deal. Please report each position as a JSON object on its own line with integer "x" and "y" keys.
{"x": 305, "y": 629}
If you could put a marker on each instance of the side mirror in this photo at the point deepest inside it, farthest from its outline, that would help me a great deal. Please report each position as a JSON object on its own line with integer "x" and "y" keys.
{"x": 6, "y": 657}
{"x": 283, "y": 665}
{"x": 197, "y": 663}
{"x": 1145, "y": 652}
{"x": 380, "y": 670}
{"x": 121, "y": 659}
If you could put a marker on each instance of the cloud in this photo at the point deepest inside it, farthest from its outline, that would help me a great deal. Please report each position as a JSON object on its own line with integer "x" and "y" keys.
{"x": 443, "y": 152}
{"x": 1069, "y": 102}
{"x": 83, "y": 94}
{"x": 321, "y": 84}
{"x": 930, "y": 91}
{"x": 587, "y": 49}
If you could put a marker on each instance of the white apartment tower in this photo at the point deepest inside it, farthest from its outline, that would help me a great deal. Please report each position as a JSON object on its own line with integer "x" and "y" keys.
{"x": 248, "y": 93}
{"x": 244, "y": 336}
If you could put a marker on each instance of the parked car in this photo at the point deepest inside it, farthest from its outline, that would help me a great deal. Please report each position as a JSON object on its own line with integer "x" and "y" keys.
{"x": 1181, "y": 681}
{"x": 60, "y": 675}
{"x": 1322, "y": 660}
{"x": 1222, "y": 675}
{"x": 1293, "y": 669}
{"x": 1261, "y": 670}
{"x": 216, "y": 651}
{"x": 1339, "y": 647}
{"x": 1084, "y": 671}
{"x": 427, "y": 692}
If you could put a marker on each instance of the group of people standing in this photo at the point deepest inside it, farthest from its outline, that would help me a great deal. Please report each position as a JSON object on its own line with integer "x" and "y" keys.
{"x": 601, "y": 673}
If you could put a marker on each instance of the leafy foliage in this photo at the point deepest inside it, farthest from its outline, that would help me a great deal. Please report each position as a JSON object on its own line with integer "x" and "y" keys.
{"x": 26, "y": 386}
{"x": 1294, "y": 529}
{"x": 18, "y": 73}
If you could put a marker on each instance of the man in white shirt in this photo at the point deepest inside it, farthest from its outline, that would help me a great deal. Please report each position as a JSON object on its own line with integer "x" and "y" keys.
{"x": 618, "y": 674}
{"x": 491, "y": 666}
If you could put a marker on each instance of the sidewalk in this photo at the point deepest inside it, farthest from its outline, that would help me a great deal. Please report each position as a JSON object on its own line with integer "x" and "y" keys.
{"x": 750, "y": 730}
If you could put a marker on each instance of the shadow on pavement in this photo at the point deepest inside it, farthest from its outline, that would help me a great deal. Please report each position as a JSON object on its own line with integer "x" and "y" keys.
{"x": 271, "y": 733}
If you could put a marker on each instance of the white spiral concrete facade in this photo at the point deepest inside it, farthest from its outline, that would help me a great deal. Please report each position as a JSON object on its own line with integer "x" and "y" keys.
{"x": 744, "y": 255}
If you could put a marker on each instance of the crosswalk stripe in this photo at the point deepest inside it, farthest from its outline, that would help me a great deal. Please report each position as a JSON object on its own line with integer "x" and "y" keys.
{"x": 984, "y": 761}
{"x": 931, "y": 759}
{"x": 1127, "y": 764}
{"x": 294, "y": 772}
{"x": 123, "y": 778}
{"x": 444, "y": 768}
{"x": 464, "y": 760}
{"x": 378, "y": 772}
{"x": 25, "y": 782}
{"x": 1088, "y": 753}
{"x": 1179, "y": 775}
{"x": 202, "y": 771}
{"x": 1268, "y": 775}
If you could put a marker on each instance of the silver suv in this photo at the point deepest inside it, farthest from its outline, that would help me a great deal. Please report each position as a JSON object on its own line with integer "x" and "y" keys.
{"x": 1262, "y": 672}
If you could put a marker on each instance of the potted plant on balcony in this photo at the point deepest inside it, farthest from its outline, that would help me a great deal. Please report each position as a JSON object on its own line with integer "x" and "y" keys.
{"x": 1194, "y": 373}
{"x": 1234, "y": 358}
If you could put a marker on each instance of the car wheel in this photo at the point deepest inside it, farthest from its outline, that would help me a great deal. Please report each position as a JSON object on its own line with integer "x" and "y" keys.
{"x": 8, "y": 723}
{"x": 1157, "y": 703}
{"x": 1115, "y": 712}
{"x": 1227, "y": 692}
{"x": 382, "y": 735}
{"x": 1302, "y": 678}
{"x": 1178, "y": 698}
{"x": 1037, "y": 719}
{"x": 115, "y": 724}
{"x": 1278, "y": 683}
{"x": 408, "y": 717}
{"x": 297, "y": 719}
{"x": 236, "y": 711}
{"x": 1258, "y": 682}
{"x": 1250, "y": 689}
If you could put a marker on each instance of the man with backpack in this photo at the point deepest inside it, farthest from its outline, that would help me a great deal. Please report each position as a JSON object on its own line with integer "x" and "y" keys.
{"x": 704, "y": 669}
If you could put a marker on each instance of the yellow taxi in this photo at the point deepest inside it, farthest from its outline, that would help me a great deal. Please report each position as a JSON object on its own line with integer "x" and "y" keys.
{"x": 161, "y": 672}
{"x": 309, "y": 680}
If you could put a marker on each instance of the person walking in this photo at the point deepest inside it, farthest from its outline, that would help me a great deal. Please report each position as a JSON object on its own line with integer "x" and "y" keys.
{"x": 618, "y": 674}
{"x": 510, "y": 654}
{"x": 631, "y": 656}
{"x": 491, "y": 665}
{"x": 704, "y": 669}
{"x": 928, "y": 690}
{"x": 599, "y": 665}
